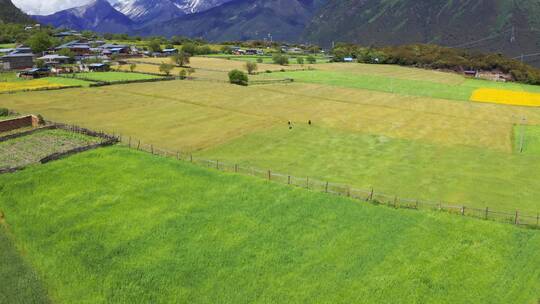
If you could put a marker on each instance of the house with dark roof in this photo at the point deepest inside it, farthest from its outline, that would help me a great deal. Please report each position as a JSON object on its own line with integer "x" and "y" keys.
{"x": 17, "y": 61}
{"x": 79, "y": 48}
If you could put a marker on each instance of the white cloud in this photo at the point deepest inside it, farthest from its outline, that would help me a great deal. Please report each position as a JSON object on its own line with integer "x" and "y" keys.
{"x": 45, "y": 7}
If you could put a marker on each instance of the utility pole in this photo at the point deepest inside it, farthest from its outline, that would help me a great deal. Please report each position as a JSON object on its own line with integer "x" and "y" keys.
{"x": 513, "y": 38}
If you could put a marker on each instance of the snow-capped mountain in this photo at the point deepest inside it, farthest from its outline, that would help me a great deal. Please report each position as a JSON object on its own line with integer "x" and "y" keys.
{"x": 98, "y": 15}
{"x": 197, "y": 6}
{"x": 144, "y": 11}
{"x": 148, "y": 11}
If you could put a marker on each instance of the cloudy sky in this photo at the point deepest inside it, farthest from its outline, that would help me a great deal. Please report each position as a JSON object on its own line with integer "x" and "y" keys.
{"x": 44, "y": 7}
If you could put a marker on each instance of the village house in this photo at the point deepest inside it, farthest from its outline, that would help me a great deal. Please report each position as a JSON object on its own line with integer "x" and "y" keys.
{"x": 34, "y": 73}
{"x": 54, "y": 59}
{"x": 17, "y": 61}
{"x": 78, "y": 48}
{"x": 170, "y": 52}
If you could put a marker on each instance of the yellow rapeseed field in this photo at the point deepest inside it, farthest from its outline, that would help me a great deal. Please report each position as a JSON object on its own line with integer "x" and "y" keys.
{"x": 27, "y": 85}
{"x": 515, "y": 98}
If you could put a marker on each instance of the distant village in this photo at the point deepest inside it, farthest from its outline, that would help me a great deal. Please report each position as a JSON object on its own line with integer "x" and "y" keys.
{"x": 89, "y": 55}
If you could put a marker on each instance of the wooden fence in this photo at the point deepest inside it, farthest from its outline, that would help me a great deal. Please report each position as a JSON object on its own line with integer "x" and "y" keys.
{"x": 515, "y": 217}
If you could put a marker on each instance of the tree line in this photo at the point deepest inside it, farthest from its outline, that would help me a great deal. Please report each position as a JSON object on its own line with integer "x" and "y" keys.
{"x": 437, "y": 57}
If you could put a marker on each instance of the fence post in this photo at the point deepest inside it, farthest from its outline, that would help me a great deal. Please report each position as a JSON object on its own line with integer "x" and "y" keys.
{"x": 190, "y": 157}
{"x": 371, "y": 195}
{"x": 288, "y": 180}
{"x": 537, "y": 220}
{"x": 395, "y": 201}
{"x": 152, "y": 149}
{"x": 516, "y": 221}
{"x": 348, "y": 191}
{"x": 416, "y": 206}
{"x": 487, "y": 212}
{"x": 130, "y": 142}
{"x": 177, "y": 155}
{"x": 139, "y": 145}
{"x": 236, "y": 168}
{"x": 269, "y": 175}
{"x": 217, "y": 164}
{"x": 307, "y": 182}
{"x": 326, "y": 188}
{"x": 463, "y": 210}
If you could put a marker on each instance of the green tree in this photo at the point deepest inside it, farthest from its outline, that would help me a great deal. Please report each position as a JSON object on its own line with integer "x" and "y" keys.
{"x": 182, "y": 74}
{"x": 190, "y": 48}
{"x": 260, "y": 60}
{"x": 132, "y": 67}
{"x": 226, "y": 49}
{"x": 181, "y": 59}
{"x": 40, "y": 64}
{"x": 280, "y": 59}
{"x": 166, "y": 68}
{"x": 238, "y": 77}
{"x": 300, "y": 60}
{"x": 67, "y": 53}
{"x": 251, "y": 67}
{"x": 40, "y": 42}
{"x": 311, "y": 59}
{"x": 154, "y": 46}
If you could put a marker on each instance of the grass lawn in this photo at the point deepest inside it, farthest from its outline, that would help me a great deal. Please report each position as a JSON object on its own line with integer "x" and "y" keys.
{"x": 199, "y": 236}
{"x": 409, "y": 169}
{"x": 440, "y": 143}
{"x": 399, "y": 85}
{"x": 114, "y": 76}
{"x": 19, "y": 283}
{"x": 528, "y": 138}
{"x": 7, "y": 45}
{"x": 68, "y": 82}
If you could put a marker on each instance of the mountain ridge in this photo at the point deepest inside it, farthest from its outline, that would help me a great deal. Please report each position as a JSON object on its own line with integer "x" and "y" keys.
{"x": 98, "y": 15}
{"x": 9, "y": 13}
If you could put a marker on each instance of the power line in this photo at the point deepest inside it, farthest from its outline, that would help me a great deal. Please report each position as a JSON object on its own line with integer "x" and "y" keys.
{"x": 493, "y": 36}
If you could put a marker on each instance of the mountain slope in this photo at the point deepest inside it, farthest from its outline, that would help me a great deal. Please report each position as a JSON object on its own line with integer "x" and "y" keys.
{"x": 453, "y": 23}
{"x": 98, "y": 16}
{"x": 242, "y": 20}
{"x": 9, "y": 13}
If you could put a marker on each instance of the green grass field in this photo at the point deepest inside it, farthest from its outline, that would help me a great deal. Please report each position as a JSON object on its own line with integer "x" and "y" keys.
{"x": 414, "y": 147}
{"x": 7, "y": 45}
{"x": 114, "y": 76}
{"x": 19, "y": 282}
{"x": 423, "y": 88}
{"x": 408, "y": 169}
{"x": 118, "y": 226}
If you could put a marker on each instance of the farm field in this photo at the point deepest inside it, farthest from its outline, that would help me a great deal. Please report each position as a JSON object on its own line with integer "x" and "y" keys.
{"x": 266, "y": 59}
{"x": 113, "y": 76}
{"x": 409, "y": 146}
{"x": 412, "y": 86}
{"x": 201, "y": 236}
{"x": 216, "y": 64}
{"x": 200, "y": 74}
{"x": 9, "y": 82}
{"x": 31, "y": 148}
